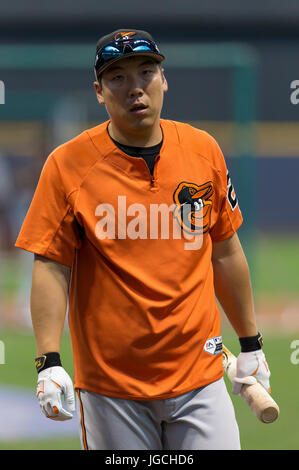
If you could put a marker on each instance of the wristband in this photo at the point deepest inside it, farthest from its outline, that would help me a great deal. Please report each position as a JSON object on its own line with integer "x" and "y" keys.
{"x": 47, "y": 360}
{"x": 251, "y": 343}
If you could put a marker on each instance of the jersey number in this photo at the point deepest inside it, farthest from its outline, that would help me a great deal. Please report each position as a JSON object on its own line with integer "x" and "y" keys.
{"x": 231, "y": 195}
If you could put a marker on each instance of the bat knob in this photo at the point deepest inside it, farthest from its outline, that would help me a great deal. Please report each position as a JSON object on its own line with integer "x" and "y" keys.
{"x": 270, "y": 414}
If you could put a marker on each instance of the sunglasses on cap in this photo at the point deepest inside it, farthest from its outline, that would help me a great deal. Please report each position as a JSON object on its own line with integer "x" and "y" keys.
{"x": 117, "y": 49}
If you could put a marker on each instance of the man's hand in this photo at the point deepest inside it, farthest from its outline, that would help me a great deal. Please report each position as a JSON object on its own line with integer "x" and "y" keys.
{"x": 51, "y": 385}
{"x": 251, "y": 368}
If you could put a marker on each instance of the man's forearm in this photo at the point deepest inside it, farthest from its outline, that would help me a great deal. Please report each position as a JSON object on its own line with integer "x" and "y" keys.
{"x": 233, "y": 287}
{"x": 49, "y": 295}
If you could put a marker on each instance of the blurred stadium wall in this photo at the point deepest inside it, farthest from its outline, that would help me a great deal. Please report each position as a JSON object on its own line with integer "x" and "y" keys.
{"x": 49, "y": 99}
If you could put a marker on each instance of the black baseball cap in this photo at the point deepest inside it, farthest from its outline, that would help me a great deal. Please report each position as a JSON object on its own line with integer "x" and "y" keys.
{"x": 123, "y": 43}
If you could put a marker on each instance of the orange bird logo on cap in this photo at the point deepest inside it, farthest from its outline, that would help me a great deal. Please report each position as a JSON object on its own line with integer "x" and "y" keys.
{"x": 124, "y": 35}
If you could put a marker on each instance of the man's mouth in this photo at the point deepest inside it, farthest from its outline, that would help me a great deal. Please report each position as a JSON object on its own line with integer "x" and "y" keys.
{"x": 138, "y": 108}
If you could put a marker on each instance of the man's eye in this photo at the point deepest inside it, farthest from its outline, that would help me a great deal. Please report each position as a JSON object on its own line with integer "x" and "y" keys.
{"x": 117, "y": 77}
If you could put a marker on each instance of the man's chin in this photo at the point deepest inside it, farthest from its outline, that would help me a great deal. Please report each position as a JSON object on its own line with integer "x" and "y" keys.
{"x": 141, "y": 122}
{"x": 130, "y": 123}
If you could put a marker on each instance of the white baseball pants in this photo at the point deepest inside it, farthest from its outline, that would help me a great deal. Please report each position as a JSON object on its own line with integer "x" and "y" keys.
{"x": 203, "y": 419}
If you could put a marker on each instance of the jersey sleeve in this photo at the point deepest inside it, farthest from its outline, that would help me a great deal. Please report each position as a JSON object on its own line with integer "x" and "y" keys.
{"x": 50, "y": 228}
{"x": 228, "y": 218}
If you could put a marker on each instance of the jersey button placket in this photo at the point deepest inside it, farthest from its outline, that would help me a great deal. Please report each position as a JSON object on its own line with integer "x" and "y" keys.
{"x": 154, "y": 179}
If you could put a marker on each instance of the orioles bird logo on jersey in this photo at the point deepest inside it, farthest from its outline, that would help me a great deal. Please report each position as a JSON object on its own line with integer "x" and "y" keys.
{"x": 193, "y": 206}
{"x": 123, "y": 35}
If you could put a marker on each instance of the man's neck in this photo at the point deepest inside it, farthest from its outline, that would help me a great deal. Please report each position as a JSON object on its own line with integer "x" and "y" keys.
{"x": 140, "y": 139}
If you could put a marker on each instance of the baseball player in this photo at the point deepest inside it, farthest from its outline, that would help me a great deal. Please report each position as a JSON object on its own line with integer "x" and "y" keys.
{"x": 134, "y": 227}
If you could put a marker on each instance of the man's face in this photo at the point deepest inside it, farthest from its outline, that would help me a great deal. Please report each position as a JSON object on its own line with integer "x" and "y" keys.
{"x": 132, "y": 89}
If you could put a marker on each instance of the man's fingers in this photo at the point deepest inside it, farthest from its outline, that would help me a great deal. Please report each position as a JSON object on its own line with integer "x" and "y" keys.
{"x": 70, "y": 400}
{"x": 249, "y": 380}
{"x": 55, "y": 413}
{"x": 54, "y": 409}
{"x": 71, "y": 406}
{"x": 63, "y": 415}
{"x": 47, "y": 410}
{"x": 240, "y": 381}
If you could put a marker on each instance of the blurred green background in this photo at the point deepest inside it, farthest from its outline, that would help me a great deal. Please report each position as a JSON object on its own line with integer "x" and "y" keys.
{"x": 229, "y": 72}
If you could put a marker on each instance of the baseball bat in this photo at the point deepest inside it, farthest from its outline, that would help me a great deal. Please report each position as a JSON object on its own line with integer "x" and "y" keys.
{"x": 257, "y": 398}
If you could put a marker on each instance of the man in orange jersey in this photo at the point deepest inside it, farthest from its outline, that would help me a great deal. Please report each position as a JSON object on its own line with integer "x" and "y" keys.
{"x": 134, "y": 223}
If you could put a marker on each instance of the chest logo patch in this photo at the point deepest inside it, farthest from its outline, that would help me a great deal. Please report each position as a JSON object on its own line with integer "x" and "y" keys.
{"x": 193, "y": 206}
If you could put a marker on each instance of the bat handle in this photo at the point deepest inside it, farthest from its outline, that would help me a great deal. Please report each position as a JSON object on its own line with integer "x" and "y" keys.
{"x": 256, "y": 397}
{"x": 260, "y": 402}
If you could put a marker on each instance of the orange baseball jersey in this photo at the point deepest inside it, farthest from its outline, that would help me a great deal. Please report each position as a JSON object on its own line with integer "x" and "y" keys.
{"x": 143, "y": 315}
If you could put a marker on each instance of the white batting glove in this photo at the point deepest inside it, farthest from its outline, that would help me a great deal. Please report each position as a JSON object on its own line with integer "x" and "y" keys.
{"x": 251, "y": 368}
{"x": 52, "y": 383}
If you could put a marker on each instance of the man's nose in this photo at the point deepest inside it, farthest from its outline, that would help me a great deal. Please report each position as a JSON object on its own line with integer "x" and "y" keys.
{"x": 135, "y": 88}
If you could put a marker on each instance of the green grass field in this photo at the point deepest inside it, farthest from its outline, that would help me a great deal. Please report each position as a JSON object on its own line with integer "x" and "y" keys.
{"x": 275, "y": 274}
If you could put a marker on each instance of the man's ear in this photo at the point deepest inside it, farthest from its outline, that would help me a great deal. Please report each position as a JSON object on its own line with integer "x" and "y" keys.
{"x": 99, "y": 92}
{"x": 164, "y": 81}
